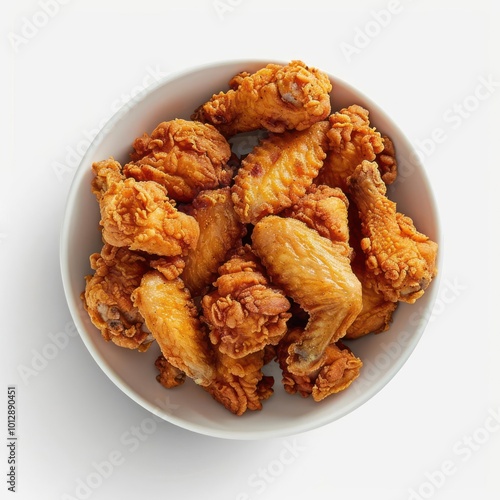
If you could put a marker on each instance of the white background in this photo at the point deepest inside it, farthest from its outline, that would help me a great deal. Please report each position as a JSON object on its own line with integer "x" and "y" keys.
{"x": 431, "y": 432}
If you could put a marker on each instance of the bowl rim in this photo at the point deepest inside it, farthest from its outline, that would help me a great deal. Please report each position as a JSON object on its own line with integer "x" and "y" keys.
{"x": 98, "y": 357}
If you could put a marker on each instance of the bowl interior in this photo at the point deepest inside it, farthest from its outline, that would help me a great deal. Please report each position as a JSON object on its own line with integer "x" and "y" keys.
{"x": 189, "y": 406}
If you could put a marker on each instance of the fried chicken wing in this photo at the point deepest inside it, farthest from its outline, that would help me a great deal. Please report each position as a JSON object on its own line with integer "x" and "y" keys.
{"x": 185, "y": 157}
{"x": 400, "y": 260}
{"x": 117, "y": 273}
{"x": 244, "y": 312}
{"x": 220, "y": 231}
{"x": 171, "y": 316}
{"x": 276, "y": 98}
{"x": 278, "y": 171}
{"x": 317, "y": 275}
{"x": 139, "y": 214}
{"x": 337, "y": 371}
{"x": 351, "y": 140}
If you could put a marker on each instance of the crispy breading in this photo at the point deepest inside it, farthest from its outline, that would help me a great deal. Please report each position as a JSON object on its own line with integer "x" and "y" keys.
{"x": 172, "y": 317}
{"x": 338, "y": 370}
{"x": 117, "y": 272}
{"x": 276, "y": 97}
{"x": 400, "y": 260}
{"x": 244, "y": 312}
{"x": 351, "y": 139}
{"x": 140, "y": 215}
{"x": 184, "y": 156}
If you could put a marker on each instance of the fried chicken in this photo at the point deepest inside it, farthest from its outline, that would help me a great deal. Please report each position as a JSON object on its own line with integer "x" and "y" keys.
{"x": 316, "y": 273}
{"x": 117, "y": 272}
{"x": 324, "y": 209}
{"x": 139, "y": 215}
{"x": 377, "y": 311}
{"x": 220, "y": 231}
{"x": 351, "y": 140}
{"x": 185, "y": 157}
{"x": 386, "y": 161}
{"x": 171, "y": 315}
{"x": 244, "y": 312}
{"x": 337, "y": 371}
{"x": 278, "y": 171}
{"x": 276, "y": 98}
{"x": 169, "y": 375}
{"x": 376, "y": 314}
{"x": 240, "y": 384}
{"x": 400, "y": 260}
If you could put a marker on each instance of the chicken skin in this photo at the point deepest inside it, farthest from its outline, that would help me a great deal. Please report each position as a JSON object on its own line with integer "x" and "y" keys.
{"x": 107, "y": 296}
{"x": 338, "y": 370}
{"x": 244, "y": 312}
{"x": 400, "y": 260}
{"x": 220, "y": 231}
{"x": 172, "y": 317}
{"x": 139, "y": 215}
{"x": 276, "y": 98}
{"x": 185, "y": 157}
{"x": 351, "y": 140}
{"x": 278, "y": 171}
{"x": 316, "y": 273}
{"x": 377, "y": 311}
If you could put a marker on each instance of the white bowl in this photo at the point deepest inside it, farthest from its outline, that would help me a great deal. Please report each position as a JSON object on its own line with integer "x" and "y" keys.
{"x": 189, "y": 406}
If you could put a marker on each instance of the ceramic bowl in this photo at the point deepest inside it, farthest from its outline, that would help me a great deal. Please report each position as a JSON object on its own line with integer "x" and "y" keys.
{"x": 188, "y": 406}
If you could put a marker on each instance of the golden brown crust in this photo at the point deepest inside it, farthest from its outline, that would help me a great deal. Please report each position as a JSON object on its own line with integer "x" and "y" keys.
{"x": 276, "y": 97}
{"x": 117, "y": 272}
{"x": 220, "y": 231}
{"x": 240, "y": 384}
{"x": 172, "y": 318}
{"x": 277, "y": 173}
{"x": 317, "y": 275}
{"x": 324, "y": 209}
{"x": 351, "y": 139}
{"x": 338, "y": 370}
{"x": 139, "y": 215}
{"x": 169, "y": 375}
{"x": 400, "y": 260}
{"x": 244, "y": 312}
{"x": 185, "y": 157}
